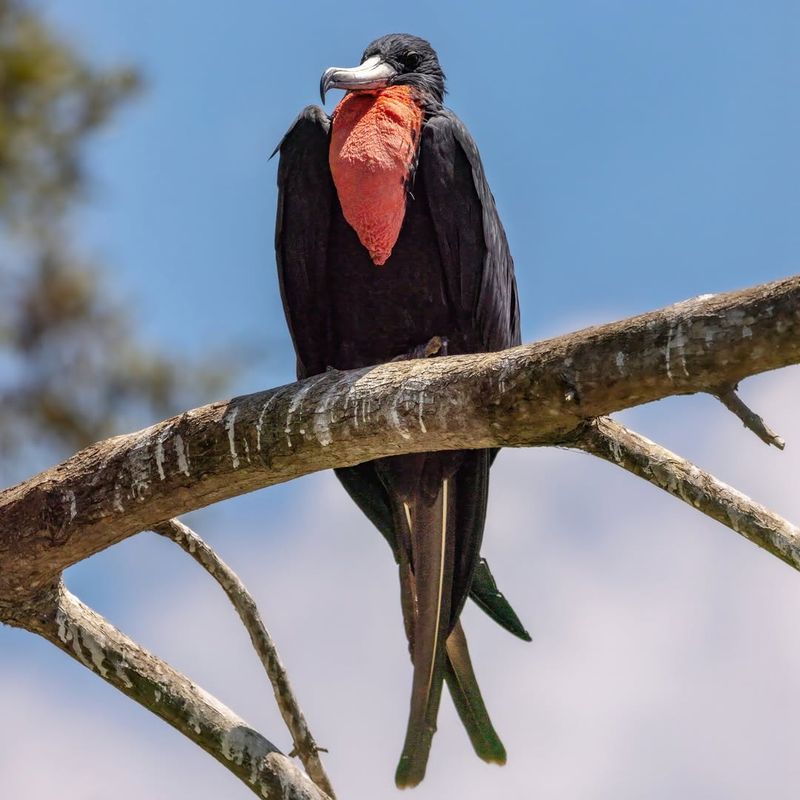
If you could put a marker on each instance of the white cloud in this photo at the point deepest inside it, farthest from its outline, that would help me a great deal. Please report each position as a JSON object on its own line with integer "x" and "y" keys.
{"x": 663, "y": 663}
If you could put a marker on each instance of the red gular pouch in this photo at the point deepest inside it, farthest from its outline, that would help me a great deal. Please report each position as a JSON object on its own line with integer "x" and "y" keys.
{"x": 373, "y": 148}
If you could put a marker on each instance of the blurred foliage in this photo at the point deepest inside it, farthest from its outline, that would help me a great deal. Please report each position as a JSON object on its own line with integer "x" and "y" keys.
{"x": 71, "y": 369}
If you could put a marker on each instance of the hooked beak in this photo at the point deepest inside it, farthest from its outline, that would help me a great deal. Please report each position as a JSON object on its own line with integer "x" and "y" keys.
{"x": 372, "y": 74}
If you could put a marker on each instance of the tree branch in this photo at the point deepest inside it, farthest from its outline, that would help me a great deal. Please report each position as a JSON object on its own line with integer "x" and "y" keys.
{"x": 531, "y": 395}
{"x": 752, "y": 421}
{"x": 84, "y": 635}
{"x": 304, "y": 744}
{"x": 541, "y": 394}
{"x": 613, "y": 442}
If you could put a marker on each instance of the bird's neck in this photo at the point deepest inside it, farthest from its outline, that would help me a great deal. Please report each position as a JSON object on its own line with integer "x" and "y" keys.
{"x": 373, "y": 153}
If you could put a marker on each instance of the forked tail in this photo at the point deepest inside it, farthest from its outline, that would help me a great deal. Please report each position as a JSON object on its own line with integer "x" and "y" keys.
{"x": 438, "y": 647}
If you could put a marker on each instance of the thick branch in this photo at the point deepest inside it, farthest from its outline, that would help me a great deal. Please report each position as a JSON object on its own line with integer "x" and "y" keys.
{"x": 304, "y": 744}
{"x": 83, "y": 634}
{"x": 531, "y": 395}
{"x": 609, "y": 440}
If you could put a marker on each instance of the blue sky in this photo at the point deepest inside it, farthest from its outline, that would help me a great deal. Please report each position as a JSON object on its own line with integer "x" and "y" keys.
{"x": 640, "y": 154}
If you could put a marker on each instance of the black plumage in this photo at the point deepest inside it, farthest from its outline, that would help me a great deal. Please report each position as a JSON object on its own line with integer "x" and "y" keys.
{"x": 450, "y": 275}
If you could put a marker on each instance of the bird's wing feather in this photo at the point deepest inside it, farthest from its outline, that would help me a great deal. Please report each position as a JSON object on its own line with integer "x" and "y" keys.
{"x": 479, "y": 270}
{"x": 306, "y": 198}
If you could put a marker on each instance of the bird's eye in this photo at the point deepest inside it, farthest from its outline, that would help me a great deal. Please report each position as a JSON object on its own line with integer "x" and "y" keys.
{"x": 412, "y": 60}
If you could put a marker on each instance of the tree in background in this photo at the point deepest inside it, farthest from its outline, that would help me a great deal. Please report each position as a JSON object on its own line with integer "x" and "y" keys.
{"x": 71, "y": 368}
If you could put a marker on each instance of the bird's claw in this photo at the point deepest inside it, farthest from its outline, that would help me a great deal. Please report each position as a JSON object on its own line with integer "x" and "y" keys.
{"x": 435, "y": 346}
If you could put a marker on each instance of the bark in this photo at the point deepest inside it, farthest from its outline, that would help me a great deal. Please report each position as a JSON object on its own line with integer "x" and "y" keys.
{"x": 84, "y": 635}
{"x": 305, "y": 746}
{"x": 613, "y": 442}
{"x": 531, "y": 395}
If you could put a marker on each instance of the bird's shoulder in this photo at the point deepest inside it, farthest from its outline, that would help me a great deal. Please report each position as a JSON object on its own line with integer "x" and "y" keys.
{"x": 445, "y": 124}
{"x": 308, "y": 126}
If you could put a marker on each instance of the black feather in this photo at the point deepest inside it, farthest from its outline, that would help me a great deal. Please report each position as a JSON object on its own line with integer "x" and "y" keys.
{"x": 450, "y": 275}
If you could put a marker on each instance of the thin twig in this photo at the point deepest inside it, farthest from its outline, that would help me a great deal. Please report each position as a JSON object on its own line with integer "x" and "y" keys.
{"x": 304, "y": 745}
{"x": 728, "y": 397}
{"x": 87, "y": 637}
{"x": 613, "y": 442}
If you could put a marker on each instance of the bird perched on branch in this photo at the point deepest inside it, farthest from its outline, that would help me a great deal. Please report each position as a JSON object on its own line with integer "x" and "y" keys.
{"x": 389, "y": 246}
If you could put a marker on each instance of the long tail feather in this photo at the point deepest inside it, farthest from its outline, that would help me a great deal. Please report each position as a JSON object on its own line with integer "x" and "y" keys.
{"x": 432, "y": 553}
{"x": 437, "y": 524}
{"x": 369, "y": 493}
{"x": 466, "y": 694}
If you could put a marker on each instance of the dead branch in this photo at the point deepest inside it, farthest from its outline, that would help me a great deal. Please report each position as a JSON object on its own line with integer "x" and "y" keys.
{"x": 304, "y": 745}
{"x": 752, "y": 421}
{"x": 532, "y": 395}
{"x": 615, "y": 443}
{"x": 84, "y": 635}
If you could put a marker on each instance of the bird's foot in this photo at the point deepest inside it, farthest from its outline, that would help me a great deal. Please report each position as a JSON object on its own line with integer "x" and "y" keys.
{"x": 436, "y": 346}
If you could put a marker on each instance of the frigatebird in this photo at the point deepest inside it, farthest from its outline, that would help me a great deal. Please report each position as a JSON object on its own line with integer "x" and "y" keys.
{"x": 389, "y": 246}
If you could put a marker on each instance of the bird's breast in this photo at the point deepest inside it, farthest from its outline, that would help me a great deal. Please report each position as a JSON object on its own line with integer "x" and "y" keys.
{"x": 373, "y": 147}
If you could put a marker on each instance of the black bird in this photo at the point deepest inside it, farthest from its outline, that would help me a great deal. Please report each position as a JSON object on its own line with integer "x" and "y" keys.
{"x": 389, "y": 245}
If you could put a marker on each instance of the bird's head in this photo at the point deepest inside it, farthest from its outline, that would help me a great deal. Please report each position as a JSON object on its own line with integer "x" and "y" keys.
{"x": 393, "y": 60}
